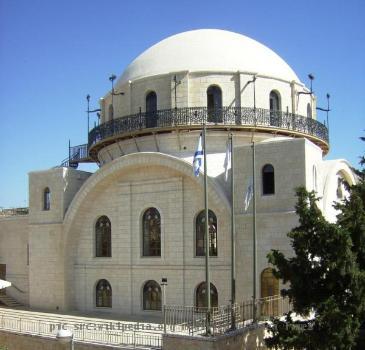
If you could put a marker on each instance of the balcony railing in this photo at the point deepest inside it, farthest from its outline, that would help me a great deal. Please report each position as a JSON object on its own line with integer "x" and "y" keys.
{"x": 226, "y": 117}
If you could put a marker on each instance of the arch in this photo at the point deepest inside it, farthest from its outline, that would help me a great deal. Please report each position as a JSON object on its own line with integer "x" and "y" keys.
{"x": 275, "y": 108}
{"x": 103, "y": 237}
{"x": 151, "y": 232}
{"x": 151, "y": 109}
{"x": 111, "y": 112}
{"x": 309, "y": 110}
{"x": 103, "y": 294}
{"x": 200, "y": 295}
{"x": 214, "y": 104}
{"x": 46, "y": 199}
{"x": 115, "y": 170}
{"x": 200, "y": 234}
{"x": 269, "y": 293}
{"x": 151, "y": 296}
{"x": 268, "y": 179}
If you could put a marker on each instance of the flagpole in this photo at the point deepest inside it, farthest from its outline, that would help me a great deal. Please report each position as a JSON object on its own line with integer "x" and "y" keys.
{"x": 254, "y": 232}
{"x": 207, "y": 240}
{"x": 233, "y": 239}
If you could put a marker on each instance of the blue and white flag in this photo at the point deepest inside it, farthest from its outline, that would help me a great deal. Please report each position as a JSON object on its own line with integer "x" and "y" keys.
{"x": 249, "y": 193}
{"x": 198, "y": 157}
{"x": 227, "y": 161}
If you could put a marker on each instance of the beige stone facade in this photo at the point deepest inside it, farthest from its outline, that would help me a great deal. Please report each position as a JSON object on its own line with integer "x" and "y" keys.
{"x": 50, "y": 255}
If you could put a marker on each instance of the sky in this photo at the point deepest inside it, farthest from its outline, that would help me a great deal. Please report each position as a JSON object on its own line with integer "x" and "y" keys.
{"x": 54, "y": 53}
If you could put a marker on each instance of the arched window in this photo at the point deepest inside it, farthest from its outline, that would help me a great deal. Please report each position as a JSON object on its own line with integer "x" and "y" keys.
{"x": 151, "y": 110}
{"x": 151, "y": 235}
{"x": 200, "y": 234}
{"x": 268, "y": 179}
{"x": 46, "y": 199}
{"x": 151, "y": 296}
{"x": 309, "y": 110}
{"x": 269, "y": 289}
{"x": 111, "y": 112}
{"x": 275, "y": 108}
{"x": 103, "y": 294}
{"x": 214, "y": 104}
{"x": 201, "y": 297}
{"x": 103, "y": 237}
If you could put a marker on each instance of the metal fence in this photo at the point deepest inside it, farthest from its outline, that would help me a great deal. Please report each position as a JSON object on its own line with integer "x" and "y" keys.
{"x": 84, "y": 330}
{"x": 197, "y": 116}
{"x": 193, "y": 321}
{"x": 13, "y": 211}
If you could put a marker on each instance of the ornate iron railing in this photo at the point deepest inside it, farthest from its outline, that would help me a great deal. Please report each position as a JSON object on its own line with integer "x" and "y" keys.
{"x": 198, "y": 116}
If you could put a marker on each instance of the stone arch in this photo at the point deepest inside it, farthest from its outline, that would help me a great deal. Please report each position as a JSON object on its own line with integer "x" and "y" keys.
{"x": 113, "y": 170}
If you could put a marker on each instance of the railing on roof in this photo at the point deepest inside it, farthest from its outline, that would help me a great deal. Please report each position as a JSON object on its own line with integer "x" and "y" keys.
{"x": 13, "y": 211}
{"x": 191, "y": 320}
{"x": 77, "y": 154}
{"x": 121, "y": 334}
{"x": 225, "y": 117}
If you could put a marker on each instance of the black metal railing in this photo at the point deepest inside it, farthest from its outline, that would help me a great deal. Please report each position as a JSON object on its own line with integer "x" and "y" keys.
{"x": 77, "y": 154}
{"x": 198, "y": 116}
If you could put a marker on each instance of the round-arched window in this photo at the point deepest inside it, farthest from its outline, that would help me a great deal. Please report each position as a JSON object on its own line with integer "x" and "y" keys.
{"x": 201, "y": 296}
{"x": 151, "y": 296}
{"x": 200, "y": 234}
{"x": 103, "y": 237}
{"x": 151, "y": 232}
{"x": 103, "y": 293}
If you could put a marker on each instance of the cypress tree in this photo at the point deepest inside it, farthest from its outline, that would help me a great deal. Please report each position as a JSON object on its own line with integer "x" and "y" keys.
{"x": 325, "y": 276}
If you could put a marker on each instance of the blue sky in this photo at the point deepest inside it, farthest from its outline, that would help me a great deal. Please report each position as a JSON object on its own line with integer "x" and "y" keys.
{"x": 53, "y": 53}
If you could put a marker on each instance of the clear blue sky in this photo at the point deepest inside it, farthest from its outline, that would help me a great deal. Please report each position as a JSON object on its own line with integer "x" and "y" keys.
{"x": 53, "y": 53}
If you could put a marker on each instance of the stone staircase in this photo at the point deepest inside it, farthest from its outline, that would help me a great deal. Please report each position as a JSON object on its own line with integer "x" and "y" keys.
{"x": 8, "y": 301}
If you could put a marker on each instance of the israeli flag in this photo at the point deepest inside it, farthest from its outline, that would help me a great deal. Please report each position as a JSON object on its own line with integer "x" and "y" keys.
{"x": 249, "y": 194}
{"x": 227, "y": 161}
{"x": 198, "y": 157}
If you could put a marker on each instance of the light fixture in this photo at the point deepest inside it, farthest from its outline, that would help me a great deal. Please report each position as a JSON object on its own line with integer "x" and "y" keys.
{"x": 65, "y": 336}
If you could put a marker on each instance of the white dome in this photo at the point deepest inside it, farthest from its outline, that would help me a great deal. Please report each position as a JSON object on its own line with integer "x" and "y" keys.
{"x": 208, "y": 50}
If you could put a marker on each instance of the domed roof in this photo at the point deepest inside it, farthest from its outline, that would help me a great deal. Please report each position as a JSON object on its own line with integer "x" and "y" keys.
{"x": 208, "y": 50}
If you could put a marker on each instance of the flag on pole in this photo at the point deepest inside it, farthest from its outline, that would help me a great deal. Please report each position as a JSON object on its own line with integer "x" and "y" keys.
{"x": 198, "y": 157}
{"x": 227, "y": 160}
{"x": 249, "y": 193}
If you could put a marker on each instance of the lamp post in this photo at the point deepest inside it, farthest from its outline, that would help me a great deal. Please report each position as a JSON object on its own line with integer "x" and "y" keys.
{"x": 88, "y": 113}
{"x": 176, "y": 83}
{"x": 65, "y": 336}
{"x": 164, "y": 284}
{"x": 326, "y": 110}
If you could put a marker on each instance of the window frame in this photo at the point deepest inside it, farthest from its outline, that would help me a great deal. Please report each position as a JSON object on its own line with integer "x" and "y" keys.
{"x": 215, "y": 112}
{"x": 212, "y": 288}
{"x": 265, "y": 179}
{"x": 110, "y": 297}
{"x": 202, "y": 213}
{"x": 47, "y": 199}
{"x": 143, "y": 234}
{"x": 154, "y": 284}
{"x": 97, "y": 253}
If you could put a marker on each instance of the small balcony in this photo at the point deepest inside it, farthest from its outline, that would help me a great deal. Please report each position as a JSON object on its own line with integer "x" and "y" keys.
{"x": 190, "y": 118}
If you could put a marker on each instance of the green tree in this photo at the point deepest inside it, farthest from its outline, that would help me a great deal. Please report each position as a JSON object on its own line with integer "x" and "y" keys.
{"x": 326, "y": 275}
{"x": 326, "y": 285}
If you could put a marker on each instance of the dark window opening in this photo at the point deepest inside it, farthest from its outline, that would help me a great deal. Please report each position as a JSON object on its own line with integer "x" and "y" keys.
{"x": 268, "y": 179}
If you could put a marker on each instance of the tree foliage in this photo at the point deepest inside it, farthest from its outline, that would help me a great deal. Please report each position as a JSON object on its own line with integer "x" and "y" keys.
{"x": 326, "y": 275}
